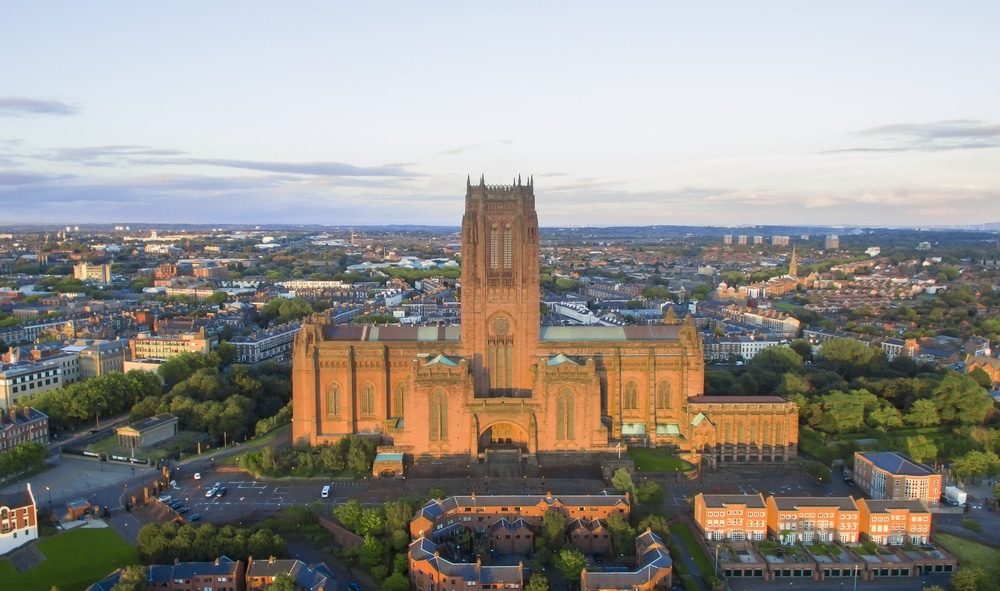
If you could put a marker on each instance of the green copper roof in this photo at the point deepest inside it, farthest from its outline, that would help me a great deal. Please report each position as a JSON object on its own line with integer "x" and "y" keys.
{"x": 559, "y": 359}
{"x": 442, "y": 360}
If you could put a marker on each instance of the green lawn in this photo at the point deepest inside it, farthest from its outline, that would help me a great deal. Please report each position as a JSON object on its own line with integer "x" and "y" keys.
{"x": 657, "y": 459}
{"x": 76, "y": 559}
{"x": 973, "y": 554}
{"x": 702, "y": 561}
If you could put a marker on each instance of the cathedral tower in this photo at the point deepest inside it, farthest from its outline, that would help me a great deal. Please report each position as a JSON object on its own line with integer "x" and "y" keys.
{"x": 500, "y": 294}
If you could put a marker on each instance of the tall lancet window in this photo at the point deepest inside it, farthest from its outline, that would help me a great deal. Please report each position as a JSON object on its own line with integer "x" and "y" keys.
{"x": 564, "y": 415}
{"x": 508, "y": 248}
{"x": 333, "y": 400}
{"x": 368, "y": 400}
{"x": 494, "y": 247}
{"x": 631, "y": 395}
{"x": 439, "y": 416}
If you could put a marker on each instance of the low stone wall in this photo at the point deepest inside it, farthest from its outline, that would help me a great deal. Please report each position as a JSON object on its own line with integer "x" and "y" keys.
{"x": 342, "y": 535}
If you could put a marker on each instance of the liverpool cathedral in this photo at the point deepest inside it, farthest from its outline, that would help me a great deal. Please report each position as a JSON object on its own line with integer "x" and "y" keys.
{"x": 503, "y": 381}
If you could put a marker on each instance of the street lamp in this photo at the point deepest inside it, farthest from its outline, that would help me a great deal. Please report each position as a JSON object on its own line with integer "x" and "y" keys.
{"x": 49, "y": 490}
{"x": 241, "y": 510}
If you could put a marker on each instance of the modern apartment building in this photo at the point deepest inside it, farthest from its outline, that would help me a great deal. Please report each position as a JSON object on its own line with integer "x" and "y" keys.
{"x": 731, "y": 517}
{"x": 22, "y": 378}
{"x": 895, "y": 522}
{"x": 888, "y": 475}
{"x": 266, "y": 344}
{"x": 813, "y": 519}
{"x": 96, "y": 273}
{"x": 165, "y": 347}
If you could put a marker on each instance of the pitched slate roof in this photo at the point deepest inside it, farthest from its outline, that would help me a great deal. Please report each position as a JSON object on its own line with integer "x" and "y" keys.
{"x": 896, "y": 463}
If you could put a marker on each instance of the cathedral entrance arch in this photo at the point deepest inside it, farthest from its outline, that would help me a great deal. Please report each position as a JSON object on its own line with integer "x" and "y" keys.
{"x": 503, "y": 435}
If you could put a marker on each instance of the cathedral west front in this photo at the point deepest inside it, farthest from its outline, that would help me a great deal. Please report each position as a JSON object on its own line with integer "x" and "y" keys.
{"x": 503, "y": 381}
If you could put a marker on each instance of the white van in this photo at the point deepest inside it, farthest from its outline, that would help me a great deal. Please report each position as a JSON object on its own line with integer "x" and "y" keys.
{"x": 326, "y": 492}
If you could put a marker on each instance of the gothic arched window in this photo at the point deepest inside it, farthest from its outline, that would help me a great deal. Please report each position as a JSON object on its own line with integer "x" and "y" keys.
{"x": 333, "y": 400}
{"x": 439, "y": 416}
{"x": 564, "y": 415}
{"x": 631, "y": 396}
{"x": 397, "y": 400}
{"x": 494, "y": 247}
{"x": 367, "y": 400}
{"x": 508, "y": 248}
{"x": 663, "y": 395}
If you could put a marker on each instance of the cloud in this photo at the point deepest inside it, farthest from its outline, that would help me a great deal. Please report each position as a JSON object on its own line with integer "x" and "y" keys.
{"x": 935, "y": 136}
{"x": 129, "y": 155}
{"x": 335, "y": 169}
{"x": 468, "y": 147}
{"x": 459, "y": 150}
{"x": 11, "y": 178}
{"x": 18, "y": 106}
{"x": 106, "y": 155}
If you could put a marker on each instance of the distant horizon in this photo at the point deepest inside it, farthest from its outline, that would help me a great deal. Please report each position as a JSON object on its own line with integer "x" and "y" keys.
{"x": 730, "y": 114}
{"x": 152, "y": 226}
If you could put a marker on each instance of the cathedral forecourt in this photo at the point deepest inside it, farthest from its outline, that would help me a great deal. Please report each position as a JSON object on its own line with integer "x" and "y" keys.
{"x": 503, "y": 382}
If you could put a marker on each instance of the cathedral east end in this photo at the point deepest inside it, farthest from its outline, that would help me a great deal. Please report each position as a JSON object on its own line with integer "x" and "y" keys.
{"x": 503, "y": 381}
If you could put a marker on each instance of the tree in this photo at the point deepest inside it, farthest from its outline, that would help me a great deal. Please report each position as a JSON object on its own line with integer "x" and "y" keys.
{"x": 850, "y": 357}
{"x": 349, "y": 514}
{"x": 778, "y": 360}
{"x": 960, "y": 399}
{"x": 282, "y": 582}
{"x": 537, "y": 582}
{"x": 923, "y": 413}
{"x": 133, "y": 578}
{"x": 622, "y": 481}
{"x": 839, "y": 412}
{"x": 885, "y": 415}
{"x": 921, "y": 449}
{"x": 804, "y": 348}
{"x": 977, "y": 463}
{"x": 622, "y": 534}
{"x": 553, "y": 527}
{"x": 570, "y": 563}
{"x": 982, "y": 378}
{"x": 650, "y": 494}
{"x": 370, "y": 553}
{"x": 966, "y": 579}
{"x": 657, "y": 523}
{"x": 397, "y": 581}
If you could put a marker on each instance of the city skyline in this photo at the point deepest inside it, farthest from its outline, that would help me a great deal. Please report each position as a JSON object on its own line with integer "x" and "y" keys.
{"x": 731, "y": 114}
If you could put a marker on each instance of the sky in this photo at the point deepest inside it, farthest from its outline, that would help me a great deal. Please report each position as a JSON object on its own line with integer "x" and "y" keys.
{"x": 639, "y": 113}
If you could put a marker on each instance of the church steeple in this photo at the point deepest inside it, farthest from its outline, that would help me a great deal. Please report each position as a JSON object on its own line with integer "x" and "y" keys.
{"x": 793, "y": 266}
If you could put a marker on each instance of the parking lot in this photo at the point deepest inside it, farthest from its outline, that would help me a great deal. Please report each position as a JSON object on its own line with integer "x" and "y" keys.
{"x": 246, "y": 498}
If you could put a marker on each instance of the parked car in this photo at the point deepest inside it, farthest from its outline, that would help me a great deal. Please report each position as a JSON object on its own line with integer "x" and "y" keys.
{"x": 221, "y": 492}
{"x": 165, "y": 499}
{"x": 183, "y": 510}
{"x": 197, "y": 475}
{"x": 195, "y": 517}
{"x": 354, "y": 586}
{"x": 326, "y": 492}
{"x": 176, "y": 504}
{"x": 210, "y": 493}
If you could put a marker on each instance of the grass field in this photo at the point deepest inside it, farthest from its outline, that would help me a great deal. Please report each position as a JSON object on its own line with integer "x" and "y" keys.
{"x": 657, "y": 459}
{"x": 694, "y": 549}
{"x": 75, "y": 560}
{"x": 973, "y": 554}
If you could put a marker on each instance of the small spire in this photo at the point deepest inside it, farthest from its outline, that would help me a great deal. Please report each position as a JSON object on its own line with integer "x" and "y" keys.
{"x": 482, "y": 180}
{"x": 519, "y": 180}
